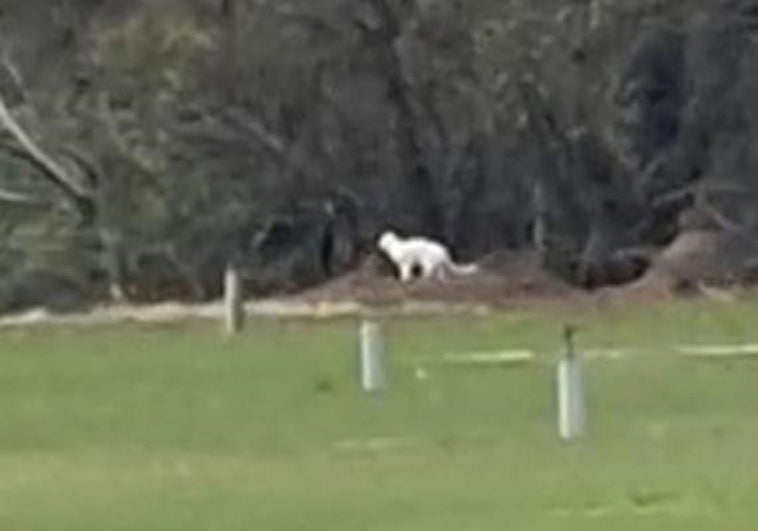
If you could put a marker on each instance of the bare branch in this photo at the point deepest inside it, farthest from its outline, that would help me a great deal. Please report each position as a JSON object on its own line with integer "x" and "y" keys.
{"x": 13, "y": 77}
{"x": 700, "y": 189}
{"x": 16, "y": 198}
{"x": 287, "y": 152}
{"x": 14, "y": 74}
{"x": 255, "y": 127}
{"x": 49, "y": 168}
{"x": 722, "y": 220}
{"x": 117, "y": 140}
{"x": 88, "y": 167}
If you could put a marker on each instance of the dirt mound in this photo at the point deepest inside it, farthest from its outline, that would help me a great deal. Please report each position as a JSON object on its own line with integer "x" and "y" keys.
{"x": 505, "y": 278}
{"x": 695, "y": 263}
{"x": 692, "y": 257}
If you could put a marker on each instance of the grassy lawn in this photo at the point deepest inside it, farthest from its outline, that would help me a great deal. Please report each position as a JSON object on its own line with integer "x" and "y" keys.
{"x": 176, "y": 428}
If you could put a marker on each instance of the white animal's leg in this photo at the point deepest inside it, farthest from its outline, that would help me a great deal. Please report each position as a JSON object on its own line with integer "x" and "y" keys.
{"x": 427, "y": 270}
{"x": 406, "y": 271}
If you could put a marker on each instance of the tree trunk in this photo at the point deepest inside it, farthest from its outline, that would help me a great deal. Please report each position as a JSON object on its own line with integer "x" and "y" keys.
{"x": 423, "y": 199}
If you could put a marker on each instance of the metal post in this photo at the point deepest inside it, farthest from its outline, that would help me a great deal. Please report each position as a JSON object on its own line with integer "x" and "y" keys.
{"x": 372, "y": 373}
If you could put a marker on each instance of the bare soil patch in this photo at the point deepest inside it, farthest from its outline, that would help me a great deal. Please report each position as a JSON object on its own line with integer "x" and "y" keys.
{"x": 697, "y": 263}
{"x": 505, "y": 280}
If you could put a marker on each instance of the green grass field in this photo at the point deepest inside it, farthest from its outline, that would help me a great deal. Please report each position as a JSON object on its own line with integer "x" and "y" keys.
{"x": 176, "y": 428}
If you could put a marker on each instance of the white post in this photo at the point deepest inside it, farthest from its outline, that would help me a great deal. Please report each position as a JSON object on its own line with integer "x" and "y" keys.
{"x": 571, "y": 407}
{"x": 371, "y": 357}
{"x": 572, "y": 413}
{"x": 233, "y": 308}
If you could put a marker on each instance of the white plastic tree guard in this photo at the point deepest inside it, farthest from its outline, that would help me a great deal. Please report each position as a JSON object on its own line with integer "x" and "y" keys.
{"x": 572, "y": 413}
{"x": 234, "y": 312}
{"x": 371, "y": 357}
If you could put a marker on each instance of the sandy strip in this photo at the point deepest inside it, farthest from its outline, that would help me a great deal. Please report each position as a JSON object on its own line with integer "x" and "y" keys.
{"x": 171, "y": 312}
{"x": 503, "y": 357}
{"x": 746, "y": 350}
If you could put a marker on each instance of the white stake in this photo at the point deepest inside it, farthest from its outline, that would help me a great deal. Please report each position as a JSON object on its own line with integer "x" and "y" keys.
{"x": 571, "y": 398}
{"x": 234, "y": 311}
{"x": 372, "y": 374}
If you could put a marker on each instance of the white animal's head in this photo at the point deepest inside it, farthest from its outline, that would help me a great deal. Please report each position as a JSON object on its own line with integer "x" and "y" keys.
{"x": 387, "y": 240}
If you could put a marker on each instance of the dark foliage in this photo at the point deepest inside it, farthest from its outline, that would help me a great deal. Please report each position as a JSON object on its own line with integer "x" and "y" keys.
{"x": 171, "y": 137}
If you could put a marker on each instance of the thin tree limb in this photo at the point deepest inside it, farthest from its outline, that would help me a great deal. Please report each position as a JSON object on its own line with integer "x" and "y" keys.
{"x": 49, "y": 168}
{"x": 16, "y": 198}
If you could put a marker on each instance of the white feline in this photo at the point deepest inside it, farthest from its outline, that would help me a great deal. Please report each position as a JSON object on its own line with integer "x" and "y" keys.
{"x": 430, "y": 257}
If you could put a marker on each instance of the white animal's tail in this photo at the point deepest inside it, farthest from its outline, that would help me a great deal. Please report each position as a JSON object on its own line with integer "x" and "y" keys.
{"x": 463, "y": 269}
